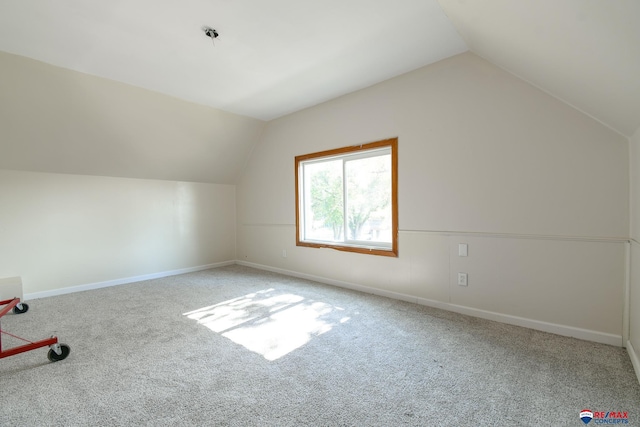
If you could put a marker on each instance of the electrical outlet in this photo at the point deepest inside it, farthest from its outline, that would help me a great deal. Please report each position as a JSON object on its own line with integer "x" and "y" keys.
{"x": 462, "y": 279}
{"x": 284, "y": 253}
{"x": 463, "y": 249}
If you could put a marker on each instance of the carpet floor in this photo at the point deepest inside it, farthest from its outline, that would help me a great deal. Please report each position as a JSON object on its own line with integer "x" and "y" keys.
{"x": 235, "y": 346}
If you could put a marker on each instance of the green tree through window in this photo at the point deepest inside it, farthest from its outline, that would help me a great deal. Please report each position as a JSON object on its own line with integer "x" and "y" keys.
{"x": 369, "y": 193}
{"x": 327, "y": 201}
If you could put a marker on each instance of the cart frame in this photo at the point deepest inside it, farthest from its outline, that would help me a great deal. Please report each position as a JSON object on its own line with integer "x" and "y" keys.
{"x": 57, "y": 351}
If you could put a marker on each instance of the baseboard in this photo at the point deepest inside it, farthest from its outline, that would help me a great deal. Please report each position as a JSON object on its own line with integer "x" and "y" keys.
{"x": 569, "y": 331}
{"x": 635, "y": 360}
{"x": 122, "y": 281}
{"x": 327, "y": 281}
{"x": 554, "y": 328}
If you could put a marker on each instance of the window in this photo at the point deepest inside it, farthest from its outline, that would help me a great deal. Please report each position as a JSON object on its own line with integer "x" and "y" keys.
{"x": 347, "y": 198}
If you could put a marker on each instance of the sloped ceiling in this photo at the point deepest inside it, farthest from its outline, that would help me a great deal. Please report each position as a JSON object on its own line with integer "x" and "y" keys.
{"x": 585, "y": 52}
{"x": 276, "y": 57}
{"x": 271, "y": 58}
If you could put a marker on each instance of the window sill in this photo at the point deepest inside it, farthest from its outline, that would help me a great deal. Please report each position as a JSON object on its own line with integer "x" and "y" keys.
{"x": 362, "y": 249}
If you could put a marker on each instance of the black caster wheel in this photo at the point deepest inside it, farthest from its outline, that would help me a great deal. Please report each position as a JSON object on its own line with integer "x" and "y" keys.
{"x": 54, "y": 357}
{"x": 21, "y": 308}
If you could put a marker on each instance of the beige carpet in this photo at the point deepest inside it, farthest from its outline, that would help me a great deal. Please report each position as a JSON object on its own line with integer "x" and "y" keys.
{"x": 236, "y": 346}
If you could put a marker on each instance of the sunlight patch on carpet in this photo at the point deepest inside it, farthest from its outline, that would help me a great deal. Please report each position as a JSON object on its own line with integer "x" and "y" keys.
{"x": 269, "y": 322}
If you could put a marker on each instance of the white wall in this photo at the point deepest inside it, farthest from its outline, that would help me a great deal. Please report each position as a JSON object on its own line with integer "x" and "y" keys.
{"x": 62, "y": 121}
{"x": 537, "y": 189}
{"x": 63, "y": 224}
{"x": 634, "y": 292}
{"x": 59, "y": 231}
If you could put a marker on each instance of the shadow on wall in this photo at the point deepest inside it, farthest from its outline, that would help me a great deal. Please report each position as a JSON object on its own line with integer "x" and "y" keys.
{"x": 269, "y": 322}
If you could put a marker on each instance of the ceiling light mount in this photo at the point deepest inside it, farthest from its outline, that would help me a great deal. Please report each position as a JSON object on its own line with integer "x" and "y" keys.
{"x": 210, "y": 32}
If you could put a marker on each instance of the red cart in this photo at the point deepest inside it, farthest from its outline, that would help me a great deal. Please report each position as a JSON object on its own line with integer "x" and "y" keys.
{"x": 57, "y": 351}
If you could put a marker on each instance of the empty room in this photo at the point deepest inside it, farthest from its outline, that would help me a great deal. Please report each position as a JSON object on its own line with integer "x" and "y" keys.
{"x": 342, "y": 213}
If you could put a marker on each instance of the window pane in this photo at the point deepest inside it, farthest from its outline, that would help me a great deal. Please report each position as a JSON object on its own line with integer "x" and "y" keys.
{"x": 369, "y": 199}
{"x": 323, "y": 198}
{"x": 346, "y": 198}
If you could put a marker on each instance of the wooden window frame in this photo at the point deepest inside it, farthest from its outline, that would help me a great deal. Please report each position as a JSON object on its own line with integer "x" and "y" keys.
{"x": 392, "y": 143}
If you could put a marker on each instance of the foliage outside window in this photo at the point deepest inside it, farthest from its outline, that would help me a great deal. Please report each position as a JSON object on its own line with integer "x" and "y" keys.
{"x": 346, "y": 198}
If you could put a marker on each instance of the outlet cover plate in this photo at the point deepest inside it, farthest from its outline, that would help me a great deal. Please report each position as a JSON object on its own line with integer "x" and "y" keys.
{"x": 462, "y": 279}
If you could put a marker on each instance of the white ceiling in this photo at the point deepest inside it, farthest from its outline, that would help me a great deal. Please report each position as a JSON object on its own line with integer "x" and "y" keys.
{"x": 272, "y": 57}
{"x": 585, "y": 52}
{"x": 279, "y": 56}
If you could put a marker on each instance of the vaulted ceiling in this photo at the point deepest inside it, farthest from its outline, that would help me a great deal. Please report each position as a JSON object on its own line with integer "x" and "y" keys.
{"x": 276, "y": 57}
{"x": 585, "y": 52}
{"x": 271, "y": 57}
